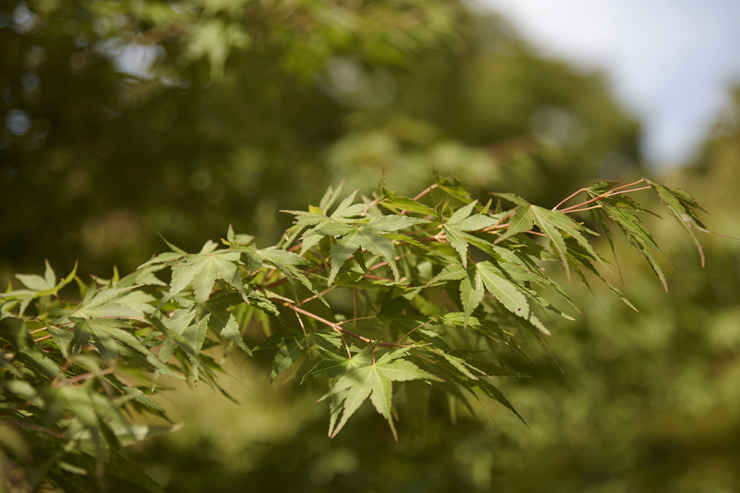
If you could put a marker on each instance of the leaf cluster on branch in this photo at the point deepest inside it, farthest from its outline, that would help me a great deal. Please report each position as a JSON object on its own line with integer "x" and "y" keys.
{"x": 360, "y": 292}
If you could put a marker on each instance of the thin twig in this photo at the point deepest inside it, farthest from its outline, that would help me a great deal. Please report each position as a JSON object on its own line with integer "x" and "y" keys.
{"x": 382, "y": 264}
{"x": 336, "y": 327}
{"x": 604, "y": 195}
{"x": 84, "y": 376}
{"x": 374, "y": 202}
{"x": 316, "y": 296}
{"x": 633, "y": 190}
{"x": 377, "y": 278}
{"x": 586, "y": 209}
{"x": 428, "y": 189}
{"x": 629, "y": 184}
{"x": 489, "y": 228}
{"x": 569, "y": 197}
{"x": 300, "y": 321}
{"x": 349, "y": 354}
{"x": 356, "y": 319}
{"x": 412, "y": 330}
{"x": 61, "y": 373}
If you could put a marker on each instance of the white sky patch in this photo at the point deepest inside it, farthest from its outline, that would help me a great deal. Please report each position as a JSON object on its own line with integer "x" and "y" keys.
{"x": 670, "y": 61}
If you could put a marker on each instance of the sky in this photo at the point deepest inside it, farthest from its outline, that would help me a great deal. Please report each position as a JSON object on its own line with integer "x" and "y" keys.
{"x": 669, "y": 61}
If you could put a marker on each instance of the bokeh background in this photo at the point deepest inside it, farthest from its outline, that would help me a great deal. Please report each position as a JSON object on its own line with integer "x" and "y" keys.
{"x": 124, "y": 119}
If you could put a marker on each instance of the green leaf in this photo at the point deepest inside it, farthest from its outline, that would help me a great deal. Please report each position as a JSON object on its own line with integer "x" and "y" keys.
{"x": 392, "y": 223}
{"x": 364, "y": 379}
{"x": 462, "y": 213}
{"x": 471, "y": 292}
{"x": 521, "y": 222}
{"x": 508, "y": 294}
{"x": 330, "y": 196}
{"x": 398, "y": 204}
{"x": 346, "y": 209}
{"x": 452, "y": 272}
{"x": 512, "y": 198}
{"x": 202, "y": 271}
{"x": 33, "y": 282}
{"x": 363, "y": 237}
{"x": 222, "y": 321}
{"x": 679, "y": 204}
{"x": 476, "y": 222}
{"x": 328, "y": 368}
{"x": 458, "y": 242}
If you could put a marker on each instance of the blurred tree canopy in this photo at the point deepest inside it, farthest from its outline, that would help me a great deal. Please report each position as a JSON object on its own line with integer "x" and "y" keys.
{"x": 124, "y": 119}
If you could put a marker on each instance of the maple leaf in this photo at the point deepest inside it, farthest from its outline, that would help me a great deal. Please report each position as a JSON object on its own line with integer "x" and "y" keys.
{"x": 37, "y": 287}
{"x": 106, "y": 335}
{"x": 363, "y": 237}
{"x": 504, "y": 288}
{"x": 223, "y": 321}
{"x": 201, "y": 270}
{"x": 102, "y": 304}
{"x": 363, "y": 378}
{"x": 456, "y": 229}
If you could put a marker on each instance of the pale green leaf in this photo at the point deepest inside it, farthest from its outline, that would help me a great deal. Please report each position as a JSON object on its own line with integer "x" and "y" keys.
{"x": 508, "y": 294}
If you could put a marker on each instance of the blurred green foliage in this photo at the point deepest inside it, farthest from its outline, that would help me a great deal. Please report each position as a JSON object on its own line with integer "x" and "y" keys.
{"x": 123, "y": 119}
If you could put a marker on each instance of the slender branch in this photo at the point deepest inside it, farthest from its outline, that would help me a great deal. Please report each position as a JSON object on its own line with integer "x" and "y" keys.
{"x": 355, "y": 319}
{"x": 377, "y": 278}
{"x": 316, "y": 296}
{"x": 633, "y": 190}
{"x": 585, "y": 209}
{"x": 382, "y": 264}
{"x": 629, "y": 184}
{"x": 441, "y": 238}
{"x": 568, "y": 198}
{"x": 604, "y": 195}
{"x": 412, "y": 330}
{"x": 495, "y": 225}
{"x": 346, "y": 346}
{"x": 42, "y": 338}
{"x": 300, "y": 321}
{"x": 427, "y": 190}
{"x": 374, "y": 202}
{"x": 84, "y": 376}
{"x": 61, "y": 372}
{"x": 336, "y": 327}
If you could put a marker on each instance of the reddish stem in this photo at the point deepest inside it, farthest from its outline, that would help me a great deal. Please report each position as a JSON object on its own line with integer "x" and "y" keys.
{"x": 84, "y": 376}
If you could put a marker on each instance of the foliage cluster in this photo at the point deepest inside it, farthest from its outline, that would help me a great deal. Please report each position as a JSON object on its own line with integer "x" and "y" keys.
{"x": 428, "y": 292}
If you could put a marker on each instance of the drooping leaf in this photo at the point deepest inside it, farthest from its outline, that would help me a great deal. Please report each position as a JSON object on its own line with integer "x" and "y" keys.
{"x": 508, "y": 294}
{"x": 364, "y": 378}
